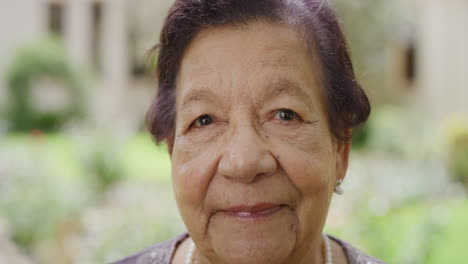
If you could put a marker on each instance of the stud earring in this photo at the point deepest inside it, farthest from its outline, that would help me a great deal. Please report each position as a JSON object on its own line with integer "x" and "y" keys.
{"x": 338, "y": 189}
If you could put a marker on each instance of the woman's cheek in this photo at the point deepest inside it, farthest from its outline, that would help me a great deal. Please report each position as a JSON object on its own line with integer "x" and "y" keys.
{"x": 305, "y": 155}
{"x": 193, "y": 167}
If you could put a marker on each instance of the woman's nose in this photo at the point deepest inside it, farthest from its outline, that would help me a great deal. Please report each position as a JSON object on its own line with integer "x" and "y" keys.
{"x": 246, "y": 156}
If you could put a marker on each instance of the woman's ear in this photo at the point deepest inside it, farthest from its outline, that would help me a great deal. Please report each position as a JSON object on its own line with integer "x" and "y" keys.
{"x": 170, "y": 144}
{"x": 343, "y": 147}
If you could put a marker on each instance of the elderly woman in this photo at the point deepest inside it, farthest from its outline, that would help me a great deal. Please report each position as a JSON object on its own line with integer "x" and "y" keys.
{"x": 257, "y": 101}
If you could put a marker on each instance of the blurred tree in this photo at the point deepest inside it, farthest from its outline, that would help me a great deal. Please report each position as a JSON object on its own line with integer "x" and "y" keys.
{"x": 457, "y": 136}
{"x": 44, "y": 58}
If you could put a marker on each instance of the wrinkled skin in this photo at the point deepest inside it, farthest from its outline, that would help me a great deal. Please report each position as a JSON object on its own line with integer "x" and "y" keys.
{"x": 251, "y": 127}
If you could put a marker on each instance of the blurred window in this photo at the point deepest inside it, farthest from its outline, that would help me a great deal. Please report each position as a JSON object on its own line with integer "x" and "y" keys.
{"x": 55, "y": 15}
{"x": 138, "y": 61}
{"x": 97, "y": 32}
{"x": 139, "y": 68}
{"x": 410, "y": 63}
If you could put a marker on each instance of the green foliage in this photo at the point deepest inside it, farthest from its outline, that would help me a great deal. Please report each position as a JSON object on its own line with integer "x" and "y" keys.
{"x": 450, "y": 247}
{"x": 398, "y": 131}
{"x": 387, "y": 130}
{"x": 109, "y": 159}
{"x": 403, "y": 235}
{"x": 47, "y": 180}
{"x": 104, "y": 166}
{"x": 125, "y": 225}
{"x": 152, "y": 59}
{"x": 383, "y": 132}
{"x": 458, "y": 148}
{"x": 418, "y": 232}
{"x": 44, "y": 58}
{"x": 361, "y": 137}
{"x": 35, "y": 198}
{"x": 145, "y": 161}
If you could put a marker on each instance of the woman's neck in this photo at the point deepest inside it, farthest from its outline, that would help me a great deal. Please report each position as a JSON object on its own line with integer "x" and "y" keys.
{"x": 308, "y": 254}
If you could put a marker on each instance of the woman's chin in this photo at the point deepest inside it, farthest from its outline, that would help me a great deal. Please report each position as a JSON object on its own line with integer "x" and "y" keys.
{"x": 267, "y": 239}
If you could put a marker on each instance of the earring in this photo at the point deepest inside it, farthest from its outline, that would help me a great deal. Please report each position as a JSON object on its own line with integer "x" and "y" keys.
{"x": 338, "y": 189}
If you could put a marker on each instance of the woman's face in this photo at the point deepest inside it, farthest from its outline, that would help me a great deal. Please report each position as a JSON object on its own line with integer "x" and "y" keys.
{"x": 253, "y": 161}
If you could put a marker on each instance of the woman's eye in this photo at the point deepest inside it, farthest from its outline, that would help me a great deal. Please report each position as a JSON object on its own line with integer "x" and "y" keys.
{"x": 203, "y": 120}
{"x": 286, "y": 115}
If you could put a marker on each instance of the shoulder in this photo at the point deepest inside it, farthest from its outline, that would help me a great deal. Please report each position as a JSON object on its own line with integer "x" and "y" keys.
{"x": 160, "y": 253}
{"x": 355, "y": 256}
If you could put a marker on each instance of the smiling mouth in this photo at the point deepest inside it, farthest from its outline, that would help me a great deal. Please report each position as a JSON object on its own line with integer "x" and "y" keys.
{"x": 257, "y": 211}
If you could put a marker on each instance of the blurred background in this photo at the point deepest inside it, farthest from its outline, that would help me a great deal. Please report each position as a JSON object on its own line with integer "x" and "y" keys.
{"x": 76, "y": 163}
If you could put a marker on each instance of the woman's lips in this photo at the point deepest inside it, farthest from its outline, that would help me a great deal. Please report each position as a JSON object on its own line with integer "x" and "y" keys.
{"x": 261, "y": 210}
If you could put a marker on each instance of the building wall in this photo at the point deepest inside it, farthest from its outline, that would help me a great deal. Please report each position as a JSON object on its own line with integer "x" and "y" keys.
{"x": 20, "y": 22}
{"x": 443, "y": 58}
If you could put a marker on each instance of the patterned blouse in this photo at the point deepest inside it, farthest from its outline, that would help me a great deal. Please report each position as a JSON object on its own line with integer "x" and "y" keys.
{"x": 162, "y": 253}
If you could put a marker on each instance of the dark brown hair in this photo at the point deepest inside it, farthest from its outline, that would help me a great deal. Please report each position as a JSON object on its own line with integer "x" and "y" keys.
{"x": 347, "y": 104}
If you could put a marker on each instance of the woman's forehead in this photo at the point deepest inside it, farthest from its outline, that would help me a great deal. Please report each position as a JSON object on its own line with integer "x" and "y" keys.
{"x": 259, "y": 42}
{"x": 259, "y": 53}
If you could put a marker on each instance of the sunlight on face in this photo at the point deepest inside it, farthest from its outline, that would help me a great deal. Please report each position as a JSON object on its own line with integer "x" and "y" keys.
{"x": 254, "y": 163}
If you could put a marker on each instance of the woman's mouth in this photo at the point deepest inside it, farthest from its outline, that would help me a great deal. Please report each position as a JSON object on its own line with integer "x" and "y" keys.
{"x": 257, "y": 211}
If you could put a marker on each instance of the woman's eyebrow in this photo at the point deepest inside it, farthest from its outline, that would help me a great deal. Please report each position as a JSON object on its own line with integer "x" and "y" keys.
{"x": 198, "y": 95}
{"x": 275, "y": 89}
{"x": 285, "y": 87}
